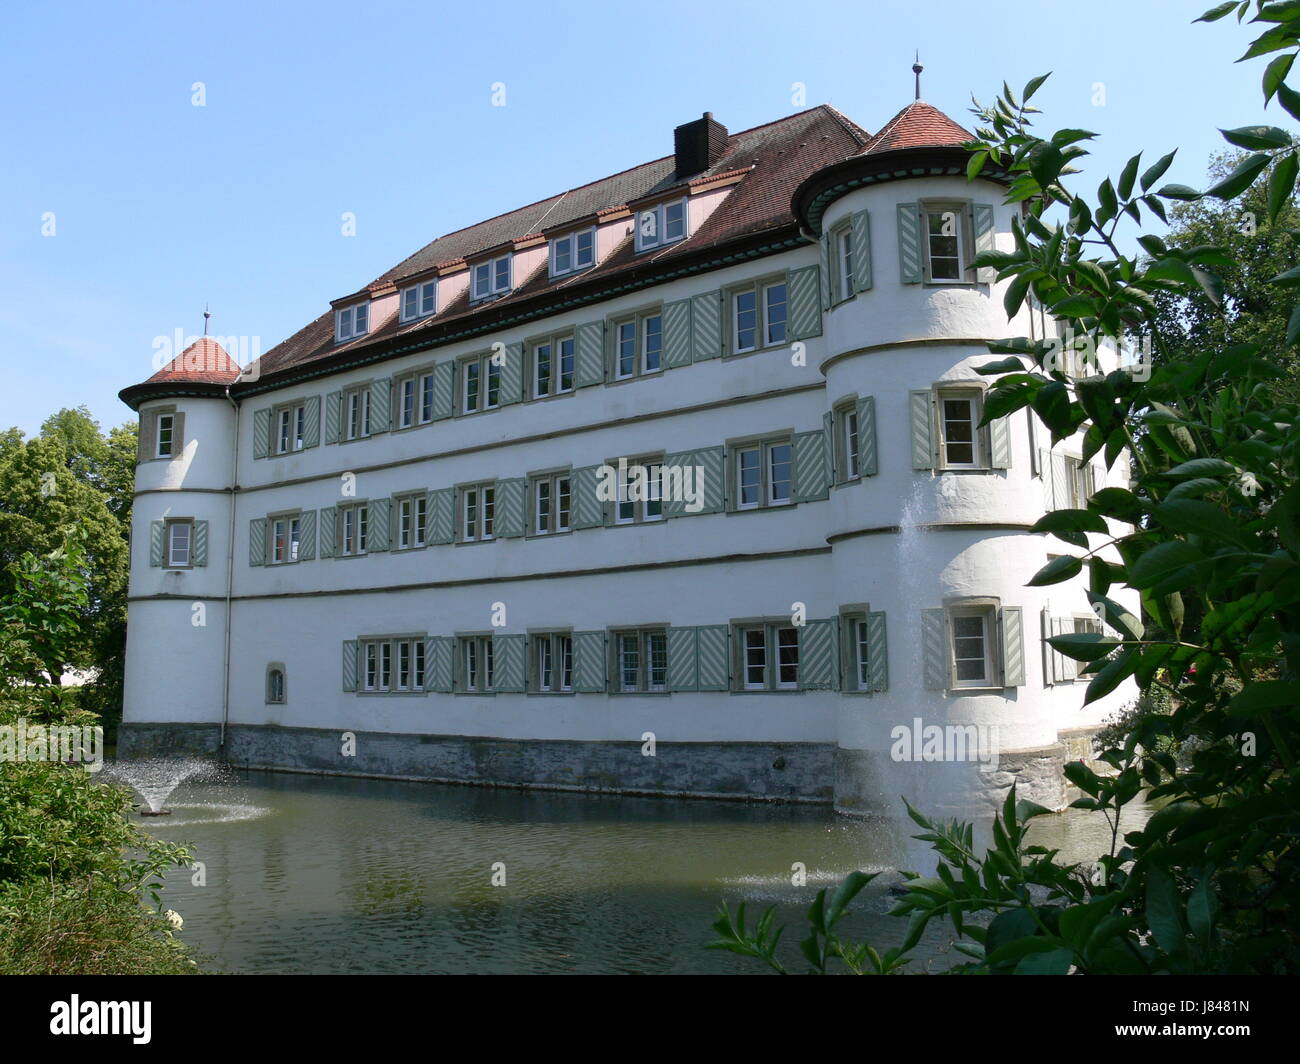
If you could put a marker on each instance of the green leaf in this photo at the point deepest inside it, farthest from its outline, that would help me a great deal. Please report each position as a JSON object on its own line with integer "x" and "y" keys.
{"x": 1293, "y": 326}
{"x": 1128, "y": 176}
{"x": 1162, "y": 562}
{"x": 1265, "y": 695}
{"x": 1275, "y": 74}
{"x": 1162, "y": 911}
{"x": 1032, "y": 86}
{"x": 1202, "y": 467}
{"x": 1057, "y": 570}
{"x": 1156, "y": 170}
{"x": 1281, "y": 183}
{"x": 1112, "y": 674}
{"x": 1197, "y": 517}
{"x": 1003, "y": 365}
{"x": 1290, "y": 99}
{"x": 1171, "y": 269}
{"x": 1241, "y": 178}
{"x": 976, "y": 164}
{"x": 1178, "y": 192}
{"x": 1217, "y": 12}
{"x": 1117, "y": 616}
{"x": 1084, "y": 646}
{"x": 1052, "y": 962}
{"x": 1070, "y": 525}
{"x": 1258, "y": 138}
{"x": 1119, "y": 503}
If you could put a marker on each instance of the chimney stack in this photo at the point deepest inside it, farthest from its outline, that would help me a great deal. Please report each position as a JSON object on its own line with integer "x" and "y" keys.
{"x": 698, "y": 145}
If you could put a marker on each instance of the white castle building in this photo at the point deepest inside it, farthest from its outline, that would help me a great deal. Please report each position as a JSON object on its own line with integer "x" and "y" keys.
{"x": 670, "y": 484}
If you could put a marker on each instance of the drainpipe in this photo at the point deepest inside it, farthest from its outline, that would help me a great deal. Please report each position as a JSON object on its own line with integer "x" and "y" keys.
{"x": 230, "y": 575}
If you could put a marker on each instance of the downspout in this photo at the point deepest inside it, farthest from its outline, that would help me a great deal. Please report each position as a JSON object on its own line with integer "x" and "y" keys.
{"x": 230, "y": 575}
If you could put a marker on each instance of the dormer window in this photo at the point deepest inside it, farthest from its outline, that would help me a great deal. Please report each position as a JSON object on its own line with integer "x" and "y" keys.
{"x": 350, "y": 322}
{"x": 573, "y": 252}
{"x": 492, "y": 278}
{"x": 661, "y": 225}
{"x": 420, "y": 300}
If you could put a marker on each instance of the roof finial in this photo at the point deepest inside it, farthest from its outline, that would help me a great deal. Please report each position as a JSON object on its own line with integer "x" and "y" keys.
{"x": 206, "y": 315}
{"x": 916, "y": 69}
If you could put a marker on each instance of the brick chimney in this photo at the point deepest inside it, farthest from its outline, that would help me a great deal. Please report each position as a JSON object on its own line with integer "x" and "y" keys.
{"x": 698, "y": 145}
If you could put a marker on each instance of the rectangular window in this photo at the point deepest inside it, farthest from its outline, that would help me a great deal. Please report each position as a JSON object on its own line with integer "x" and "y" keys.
{"x": 290, "y": 428}
{"x": 414, "y": 400}
{"x": 972, "y": 654}
{"x": 354, "y": 527}
{"x": 163, "y": 443}
{"x": 552, "y": 367}
{"x": 844, "y": 263}
{"x": 640, "y": 492}
{"x": 638, "y": 346}
{"x": 350, "y": 322}
{"x": 492, "y": 278}
{"x": 641, "y": 660}
{"x": 661, "y": 225}
{"x": 572, "y": 252}
{"x": 861, "y": 654}
{"x": 180, "y": 536}
{"x": 552, "y": 504}
{"x": 553, "y": 663}
{"x": 945, "y": 243}
{"x": 419, "y": 301}
{"x": 1081, "y": 482}
{"x": 412, "y": 521}
{"x": 478, "y": 509}
{"x": 480, "y": 384}
{"x": 959, "y": 438}
{"x": 769, "y": 657}
{"x": 377, "y": 657}
{"x": 356, "y": 413}
{"x": 763, "y": 474}
{"x": 847, "y": 443}
{"x": 408, "y": 654}
{"x": 286, "y": 535}
{"x": 758, "y": 317}
{"x": 476, "y": 664}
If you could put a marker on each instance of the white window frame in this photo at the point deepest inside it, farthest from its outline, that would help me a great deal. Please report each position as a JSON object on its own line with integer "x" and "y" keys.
{"x": 477, "y": 662}
{"x": 767, "y": 482}
{"x": 412, "y": 521}
{"x": 961, "y": 212}
{"x": 640, "y": 511}
{"x": 656, "y": 220}
{"x": 843, "y": 256}
{"x": 494, "y": 286}
{"x": 551, "y": 659}
{"x": 477, "y": 504}
{"x": 561, "y": 351}
{"x": 172, "y": 548}
{"x": 978, "y": 442}
{"x": 643, "y": 640}
{"x": 552, "y": 518}
{"x": 570, "y": 244}
{"x": 764, "y": 323}
{"x": 356, "y": 413}
{"x": 423, "y": 297}
{"x": 848, "y": 442}
{"x": 772, "y": 634}
{"x": 286, "y": 539}
{"x": 639, "y": 340}
{"x": 988, "y": 617}
{"x": 351, "y": 322}
{"x": 354, "y": 529}
{"x": 489, "y": 376}
{"x": 165, "y": 422}
{"x": 290, "y": 428}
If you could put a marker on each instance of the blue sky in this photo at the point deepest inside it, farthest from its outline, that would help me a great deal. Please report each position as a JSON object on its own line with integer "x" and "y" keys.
{"x": 385, "y": 110}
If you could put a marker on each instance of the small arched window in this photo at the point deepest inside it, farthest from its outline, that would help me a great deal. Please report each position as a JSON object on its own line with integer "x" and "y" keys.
{"x": 275, "y": 683}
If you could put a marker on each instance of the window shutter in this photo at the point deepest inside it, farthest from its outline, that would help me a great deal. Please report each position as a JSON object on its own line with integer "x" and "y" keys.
{"x": 810, "y": 480}
{"x": 909, "y": 243}
{"x": 512, "y": 374}
{"x": 589, "y": 662}
{"x": 509, "y": 663}
{"x": 922, "y": 417}
{"x": 867, "y": 460}
{"x": 438, "y": 651}
{"x": 178, "y": 433}
{"x": 1064, "y": 667}
{"x": 681, "y": 659}
{"x": 589, "y": 354}
{"x": 311, "y": 422}
{"x": 332, "y": 425}
{"x": 588, "y": 508}
{"x": 861, "y": 251}
{"x": 328, "y": 530}
{"x": 818, "y": 662}
{"x": 1049, "y": 655}
{"x": 827, "y": 270}
{"x": 982, "y": 220}
{"x": 934, "y": 650}
{"x": 1060, "y": 482}
{"x": 144, "y": 442}
{"x": 1000, "y": 443}
{"x": 711, "y": 657}
{"x": 350, "y": 655}
{"x": 1035, "y": 460}
{"x": 877, "y": 652}
{"x": 380, "y": 517}
{"x": 511, "y": 519}
{"x": 261, "y": 433}
{"x": 706, "y": 326}
{"x": 441, "y": 519}
{"x": 706, "y": 468}
{"x": 307, "y": 536}
{"x": 1013, "y": 648}
{"x": 803, "y": 295}
{"x": 157, "y": 543}
{"x": 1045, "y": 464}
{"x": 444, "y": 390}
{"x": 381, "y": 397}
{"x": 257, "y": 541}
{"x": 832, "y": 458}
{"x": 199, "y": 549}
{"x": 677, "y": 334}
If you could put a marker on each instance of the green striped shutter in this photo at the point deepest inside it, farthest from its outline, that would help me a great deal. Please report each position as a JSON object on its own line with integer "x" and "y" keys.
{"x": 681, "y": 659}
{"x": 157, "y": 543}
{"x": 589, "y": 662}
{"x": 199, "y": 551}
{"x": 818, "y": 661}
{"x": 307, "y": 536}
{"x": 922, "y": 421}
{"x": 589, "y": 354}
{"x": 332, "y": 417}
{"x": 877, "y": 652}
{"x": 982, "y": 222}
{"x": 311, "y": 422}
{"x": 934, "y": 650}
{"x": 706, "y": 326}
{"x": 827, "y": 268}
{"x": 810, "y": 479}
{"x": 509, "y": 663}
{"x": 381, "y": 396}
{"x": 257, "y": 541}
{"x": 804, "y": 301}
{"x": 380, "y": 518}
{"x": 438, "y": 650}
{"x": 511, "y": 518}
{"x": 351, "y": 654}
{"x": 999, "y": 443}
{"x": 145, "y": 441}
{"x": 909, "y": 243}
{"x": 706, "y": 468}
{"x": 712, "y": 672}
{"x": 444, "y": 390}
{"x": 677, "y": 333}
{"x": 512, "y": 374}
{"x": 328, "y": 524}
{"x": 442, "y": 515}
{"x": 588, "y": 507}
{"x": 1013, "y": 647}
{"x": 867, "y": 458}
{"x": 261, "y": 432}
{"x": 861, "y": 251}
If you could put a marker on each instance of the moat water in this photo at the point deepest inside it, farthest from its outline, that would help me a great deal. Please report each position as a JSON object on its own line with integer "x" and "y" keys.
{"x": 331, "y": 875}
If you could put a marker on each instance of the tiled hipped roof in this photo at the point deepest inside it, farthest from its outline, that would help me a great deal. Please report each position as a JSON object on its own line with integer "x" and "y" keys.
{"x": 771, "y": 161}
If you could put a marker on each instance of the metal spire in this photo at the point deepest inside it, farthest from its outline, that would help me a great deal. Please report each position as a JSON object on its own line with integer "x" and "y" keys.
{"x": 916, "y": 69}
{"x": 206, "y": 315}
